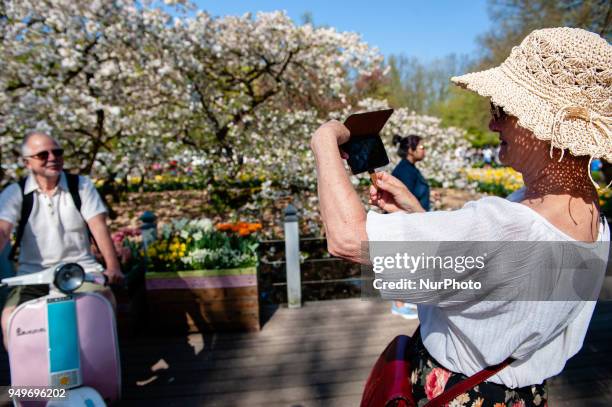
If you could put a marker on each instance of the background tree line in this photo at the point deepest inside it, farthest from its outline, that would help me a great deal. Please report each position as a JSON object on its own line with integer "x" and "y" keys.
{"x": 425, "y": 87}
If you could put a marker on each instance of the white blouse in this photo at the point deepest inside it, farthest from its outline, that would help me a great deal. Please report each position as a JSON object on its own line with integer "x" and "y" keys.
{"x": 467, "y": 337}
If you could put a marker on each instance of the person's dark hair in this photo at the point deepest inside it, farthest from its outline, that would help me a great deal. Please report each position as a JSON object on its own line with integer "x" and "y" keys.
{"x": 406, "y": 143}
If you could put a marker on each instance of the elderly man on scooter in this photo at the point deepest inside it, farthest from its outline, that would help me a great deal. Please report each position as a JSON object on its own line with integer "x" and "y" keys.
{"x": 64, "y": 211}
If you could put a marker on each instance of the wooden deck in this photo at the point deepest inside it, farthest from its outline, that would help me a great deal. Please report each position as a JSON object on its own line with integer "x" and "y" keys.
{"x": 319, "y": 355}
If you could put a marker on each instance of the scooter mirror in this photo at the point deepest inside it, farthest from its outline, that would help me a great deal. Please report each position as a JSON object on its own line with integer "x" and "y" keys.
{"x": 69, "y": 277}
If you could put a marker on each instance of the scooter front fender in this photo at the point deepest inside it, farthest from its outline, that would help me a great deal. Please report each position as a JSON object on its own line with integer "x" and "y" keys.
{"x": 97, "y": 335}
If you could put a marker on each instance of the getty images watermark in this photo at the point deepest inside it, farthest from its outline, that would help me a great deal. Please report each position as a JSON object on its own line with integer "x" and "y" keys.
{"x": 450, "y": 272}
{"x": 411, "y": 264}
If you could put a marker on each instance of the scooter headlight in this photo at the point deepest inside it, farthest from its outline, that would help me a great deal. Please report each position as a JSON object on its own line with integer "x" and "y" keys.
{"x": 69, "y": 277}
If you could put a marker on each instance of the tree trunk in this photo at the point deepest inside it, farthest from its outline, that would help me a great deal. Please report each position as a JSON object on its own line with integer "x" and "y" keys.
{"x": 97, "y": 142}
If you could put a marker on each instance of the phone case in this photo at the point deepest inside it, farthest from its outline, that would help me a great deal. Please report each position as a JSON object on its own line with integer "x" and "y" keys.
{"x": 368, "y": 123}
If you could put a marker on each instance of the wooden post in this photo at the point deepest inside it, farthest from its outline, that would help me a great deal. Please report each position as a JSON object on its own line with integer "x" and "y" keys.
{"x": 292, "y": 258}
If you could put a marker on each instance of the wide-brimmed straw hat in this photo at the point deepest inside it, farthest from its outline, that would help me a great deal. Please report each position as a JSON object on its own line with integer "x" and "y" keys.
{"x": 558, "y": 83}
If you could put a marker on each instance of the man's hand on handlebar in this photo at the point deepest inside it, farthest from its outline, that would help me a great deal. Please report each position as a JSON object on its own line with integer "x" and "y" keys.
{"x": 115, "y": 276}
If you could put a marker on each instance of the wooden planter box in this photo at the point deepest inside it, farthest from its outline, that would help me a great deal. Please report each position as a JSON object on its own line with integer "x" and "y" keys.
{"x": 203, "y": 300}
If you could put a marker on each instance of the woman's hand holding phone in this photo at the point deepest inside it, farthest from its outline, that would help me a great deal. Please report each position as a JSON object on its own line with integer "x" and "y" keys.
{"x": 392, "y": 195}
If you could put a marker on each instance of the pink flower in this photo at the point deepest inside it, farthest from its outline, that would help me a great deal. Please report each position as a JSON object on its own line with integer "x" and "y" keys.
{"x": 519, "y": 403}
{"x": 118, "y": 237}
{"x": 435, "y": 382}
{"x": 132, "y": 231}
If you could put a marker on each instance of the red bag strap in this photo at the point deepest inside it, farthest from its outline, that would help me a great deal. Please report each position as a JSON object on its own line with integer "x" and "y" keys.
{"x": 467, "y": 384}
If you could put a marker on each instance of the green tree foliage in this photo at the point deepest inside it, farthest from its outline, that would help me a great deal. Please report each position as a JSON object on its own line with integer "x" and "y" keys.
{"x": 421, "y": 86}
{"x": 512, "y": 21}
{"x": 425, "y": 87}
{"x": 468, "y": 111}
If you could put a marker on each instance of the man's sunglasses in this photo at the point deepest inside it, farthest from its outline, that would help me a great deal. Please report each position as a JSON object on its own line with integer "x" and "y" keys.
{"x": 497, "y": 112}
{"x": 44, "y": 155}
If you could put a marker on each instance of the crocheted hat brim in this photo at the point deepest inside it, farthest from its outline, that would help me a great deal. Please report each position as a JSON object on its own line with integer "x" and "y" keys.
{"x": 535, "y": 113}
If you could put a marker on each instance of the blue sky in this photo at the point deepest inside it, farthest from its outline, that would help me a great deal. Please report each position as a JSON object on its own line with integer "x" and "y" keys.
{"x": 424, "y": 29}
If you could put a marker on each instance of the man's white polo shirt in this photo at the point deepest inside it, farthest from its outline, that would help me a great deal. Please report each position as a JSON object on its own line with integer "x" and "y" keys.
{"x": 55, "y": 232}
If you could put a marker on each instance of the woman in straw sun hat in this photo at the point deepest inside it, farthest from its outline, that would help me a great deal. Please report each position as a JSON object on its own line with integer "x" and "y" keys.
{"x": 558, "y": 86}
{"x": 551, "y": 103}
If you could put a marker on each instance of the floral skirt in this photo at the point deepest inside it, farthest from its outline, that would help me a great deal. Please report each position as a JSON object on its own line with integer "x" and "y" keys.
{"x": 429, "y": 379}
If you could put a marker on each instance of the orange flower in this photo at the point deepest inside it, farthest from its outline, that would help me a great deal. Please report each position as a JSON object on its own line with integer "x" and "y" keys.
{"x": 241, "y": 228}
{"x": 254, "y": 227}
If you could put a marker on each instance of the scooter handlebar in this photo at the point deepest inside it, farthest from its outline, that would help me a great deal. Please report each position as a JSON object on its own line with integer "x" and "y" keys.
{"x": 97, "y": 277}
{"x": 28, "y": 279}
{"x": 92, "y": 274}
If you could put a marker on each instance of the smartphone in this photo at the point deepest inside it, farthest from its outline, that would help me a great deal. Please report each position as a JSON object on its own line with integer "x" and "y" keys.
{"x": 365, "y": 153}
{"x": 365, "y": 148}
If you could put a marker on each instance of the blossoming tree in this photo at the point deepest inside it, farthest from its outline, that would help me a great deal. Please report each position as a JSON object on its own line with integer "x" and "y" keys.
{"x": 250, "y": 78}
{"x": 104, "y": 76}
{"x": 84, "y": 71}
{"x": 123, "y": 84}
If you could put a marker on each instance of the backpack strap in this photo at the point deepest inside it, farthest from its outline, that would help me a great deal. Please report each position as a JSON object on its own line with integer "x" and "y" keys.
{"x": 73, "y": 187}
{"x": 26, "y": 210}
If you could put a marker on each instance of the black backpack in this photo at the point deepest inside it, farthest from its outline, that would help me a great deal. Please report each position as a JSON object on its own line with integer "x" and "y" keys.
{"x": 28, "y": 202}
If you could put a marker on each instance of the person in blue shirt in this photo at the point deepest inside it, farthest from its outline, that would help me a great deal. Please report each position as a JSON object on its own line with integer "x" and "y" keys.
{"x": 411, "y": 151}
{"x": 596, "y": 164}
